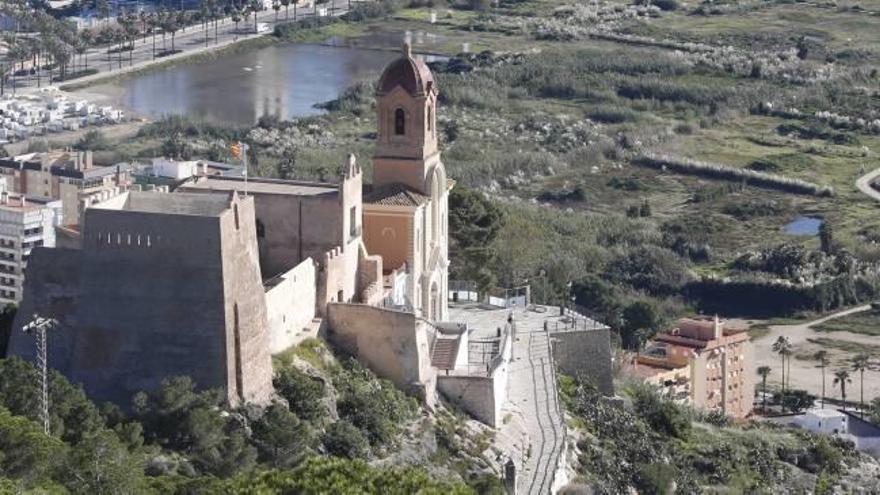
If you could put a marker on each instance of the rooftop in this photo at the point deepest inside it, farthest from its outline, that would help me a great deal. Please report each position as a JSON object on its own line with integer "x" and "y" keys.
{"x": 410, "y": 73}
{"x": 826, "y": 413}
{"x": 207, "y": 205}
{"x": 394, "y": 195}
{"x": 261, "y": 186}
{"x": 13, "y": 202}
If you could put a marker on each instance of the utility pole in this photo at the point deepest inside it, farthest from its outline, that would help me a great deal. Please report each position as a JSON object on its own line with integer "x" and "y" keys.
{"x": 38, "y": 326}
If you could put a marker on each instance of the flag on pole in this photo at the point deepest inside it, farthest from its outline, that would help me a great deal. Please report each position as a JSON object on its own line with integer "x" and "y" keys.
{"x": 236, "y": 149}
{"x": 239, "y": 150}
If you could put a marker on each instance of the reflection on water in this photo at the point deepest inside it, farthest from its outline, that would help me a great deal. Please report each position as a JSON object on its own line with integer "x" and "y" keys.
{"x": 283, "y": 80}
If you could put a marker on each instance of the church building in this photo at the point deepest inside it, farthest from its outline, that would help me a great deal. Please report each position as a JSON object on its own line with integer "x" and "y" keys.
{"x": 211, "y": 280}
{"x": 405, "y": 209}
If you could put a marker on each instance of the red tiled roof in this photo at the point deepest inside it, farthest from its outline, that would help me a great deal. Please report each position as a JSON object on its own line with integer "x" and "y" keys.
{"x": 409, "y": 73}
{"x": 395, "y": 195}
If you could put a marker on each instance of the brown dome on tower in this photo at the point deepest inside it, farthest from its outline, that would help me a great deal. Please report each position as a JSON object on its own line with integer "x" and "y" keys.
{"x": 407, "y": 72}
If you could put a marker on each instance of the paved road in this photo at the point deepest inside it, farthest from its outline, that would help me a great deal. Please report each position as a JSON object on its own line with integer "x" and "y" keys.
{"x": 190, "y": 41}
{"x": 864, "y": 184}
{"x": 804, "y": 372}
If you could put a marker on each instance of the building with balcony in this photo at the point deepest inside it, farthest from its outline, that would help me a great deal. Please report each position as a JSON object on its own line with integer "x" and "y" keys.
{"x": 701, "y": 363}
{"x": 26, "y": 222}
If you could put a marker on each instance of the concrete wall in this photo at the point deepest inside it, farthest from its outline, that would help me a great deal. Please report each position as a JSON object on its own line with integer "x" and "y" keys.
{"x": 587, "y": 352}
{"x": 480, "y": 396}
{"x": 473, "y": 394}
{"x": 394, "y": 344}
{"x": 290, "y": 303}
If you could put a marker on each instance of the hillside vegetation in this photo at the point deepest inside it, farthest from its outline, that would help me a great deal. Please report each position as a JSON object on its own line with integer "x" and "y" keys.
{"x": 638, "y": 150}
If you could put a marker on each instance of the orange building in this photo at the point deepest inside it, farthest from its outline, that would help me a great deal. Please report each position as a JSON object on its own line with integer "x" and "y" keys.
{"x": 702, "y": 363}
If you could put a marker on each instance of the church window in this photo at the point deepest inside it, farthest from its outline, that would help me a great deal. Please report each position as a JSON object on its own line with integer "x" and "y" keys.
{"x": 430, "y": 119}
{"x": 399, "y": 122}
{"x": 235, "y": 212}
{"x": 352, "y": 220}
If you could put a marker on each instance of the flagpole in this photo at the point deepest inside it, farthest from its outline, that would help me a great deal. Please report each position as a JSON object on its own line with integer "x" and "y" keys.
{"x": 244, "y": 158}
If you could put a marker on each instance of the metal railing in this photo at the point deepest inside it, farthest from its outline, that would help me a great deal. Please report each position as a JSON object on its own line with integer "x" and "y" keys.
{"x": 573, "y": 321}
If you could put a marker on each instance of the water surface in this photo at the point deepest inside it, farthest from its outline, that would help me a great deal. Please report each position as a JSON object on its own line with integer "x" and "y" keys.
{"x": 285, "y": 80}
{"x": 804, "y": 226}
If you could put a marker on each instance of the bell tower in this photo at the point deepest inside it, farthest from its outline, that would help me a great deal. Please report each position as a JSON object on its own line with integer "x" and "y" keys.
{"x": 406, "y": 101}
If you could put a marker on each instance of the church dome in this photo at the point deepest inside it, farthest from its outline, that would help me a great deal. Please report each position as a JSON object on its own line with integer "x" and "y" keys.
{"x": 407, "y": 72}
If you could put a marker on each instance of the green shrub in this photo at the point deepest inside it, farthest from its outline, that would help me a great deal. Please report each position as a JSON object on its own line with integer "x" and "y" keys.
{"x": 343, "y": 439}
{"x": 303, "y": 393}
{"x": 664, "y": 416}
{"x": 716, "y": 171}
{"x": 612, "y": 114}
{"x": 371, "y": 404}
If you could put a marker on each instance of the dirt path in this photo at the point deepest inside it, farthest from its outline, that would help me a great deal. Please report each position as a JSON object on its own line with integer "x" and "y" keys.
{"x": 804, "y": 372}
{"x": 864, "y": 184}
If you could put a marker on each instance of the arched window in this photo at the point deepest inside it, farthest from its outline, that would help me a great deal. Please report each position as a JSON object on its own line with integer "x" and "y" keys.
{"x": 399, "y": 122}
{"x": 235, "y": 212}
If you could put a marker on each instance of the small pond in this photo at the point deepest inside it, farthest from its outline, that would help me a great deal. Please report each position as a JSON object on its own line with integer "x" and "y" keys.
{"x": 804, "y": 226}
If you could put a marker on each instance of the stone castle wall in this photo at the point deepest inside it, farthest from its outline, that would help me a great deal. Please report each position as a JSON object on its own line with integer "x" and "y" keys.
{"x": 146, "y": 298}
{"x": 394, "y": 344}
{"x": 585, "y": 352}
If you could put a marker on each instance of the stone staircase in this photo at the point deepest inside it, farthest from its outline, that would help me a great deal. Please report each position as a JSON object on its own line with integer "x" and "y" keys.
{"x": 444, "y": 353}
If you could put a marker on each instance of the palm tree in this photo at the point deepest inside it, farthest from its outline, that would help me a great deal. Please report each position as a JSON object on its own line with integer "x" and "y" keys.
{"x": 764, "y": 372}
{"x": 276, "y": 6}
{"x": 236, "y": 18}
{"x": 144, "y": 17}
{"x": 822, "y": 357}
{"x": 153, "y": 23}
{"x": 841, "y": 377}
{"x": 256, "y": 6}
{"x": 860, "y": 364}
{"x": 286, "y": 4}
{"x": 782, "y": 346}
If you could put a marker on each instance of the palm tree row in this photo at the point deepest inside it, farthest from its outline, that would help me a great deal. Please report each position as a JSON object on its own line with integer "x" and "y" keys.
{"x": 47, "y": 44}
{"x": 783, "y": 347}
{"x": 842, "y": 378}
{"x": 59, "y": 45}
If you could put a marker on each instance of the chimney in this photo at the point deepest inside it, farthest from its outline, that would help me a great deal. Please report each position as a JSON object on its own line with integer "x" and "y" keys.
{"x": 23, "y": 201}
{"x": 718, "y": 328}
{"x": 4, "y": 197}
{"x": 87, "y": 163}
{"x": 77, "y": 161}
{"x": 205, "y": 168}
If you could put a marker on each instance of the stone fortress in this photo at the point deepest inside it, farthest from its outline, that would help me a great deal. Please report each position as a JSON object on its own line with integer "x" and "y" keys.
{"x": 210, "y": 280}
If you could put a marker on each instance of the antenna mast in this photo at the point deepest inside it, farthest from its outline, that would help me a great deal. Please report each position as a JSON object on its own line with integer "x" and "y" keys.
{"x": 38, "y": 326}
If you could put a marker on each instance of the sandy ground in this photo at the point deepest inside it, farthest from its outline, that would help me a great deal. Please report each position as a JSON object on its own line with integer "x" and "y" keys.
{"x": 805, "y": 374}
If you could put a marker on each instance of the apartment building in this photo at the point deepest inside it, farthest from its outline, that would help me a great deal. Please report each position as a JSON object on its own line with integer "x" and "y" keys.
{"x": 702, "y": 363}
{"x": 26, "y": 222}
{"x": 69, "y": 176}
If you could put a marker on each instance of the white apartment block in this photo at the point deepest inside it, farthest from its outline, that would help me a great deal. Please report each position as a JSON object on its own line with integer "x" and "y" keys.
{"x": 26, "y": 222}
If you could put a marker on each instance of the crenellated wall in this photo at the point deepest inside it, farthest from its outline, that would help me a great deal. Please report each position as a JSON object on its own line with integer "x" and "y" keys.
{"x": 153, "y": 295}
